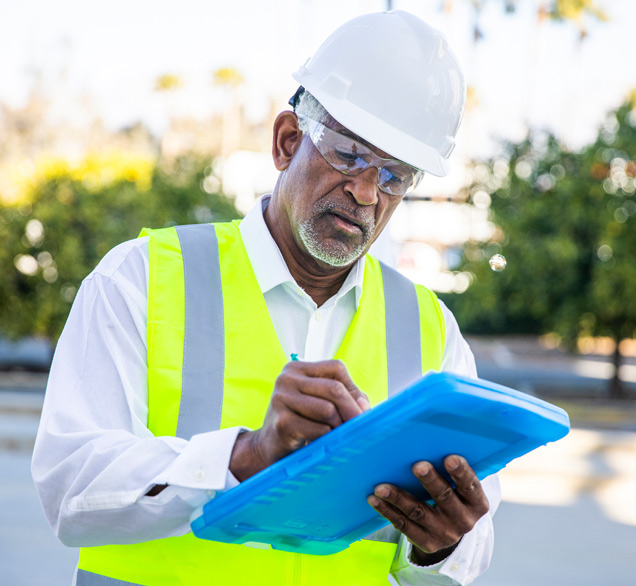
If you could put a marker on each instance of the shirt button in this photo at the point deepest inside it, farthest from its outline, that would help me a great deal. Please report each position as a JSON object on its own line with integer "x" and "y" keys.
{"x": 454, "y": 567}
{"x": 199, "y": 475}
{"x": 318, "y": 315}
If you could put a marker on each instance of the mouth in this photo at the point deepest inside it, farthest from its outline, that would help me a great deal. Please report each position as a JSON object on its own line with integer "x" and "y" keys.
{"x": 348, "y": 223}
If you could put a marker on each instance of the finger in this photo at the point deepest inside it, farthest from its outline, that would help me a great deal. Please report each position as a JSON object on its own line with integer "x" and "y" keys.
{"x": 415, "y": 510}
{"x": 334, "y": 392}
{"x": 458, "y": 513}
{"x": 331, "y": 389}
{"x": 335, "y": 370}
{"x": 468, "y": 486}
{"x": 314, "y": 408}
{"x": 342, "y": 375}
{"x": 441, "y": 492}
{"x": 419, "y": 534}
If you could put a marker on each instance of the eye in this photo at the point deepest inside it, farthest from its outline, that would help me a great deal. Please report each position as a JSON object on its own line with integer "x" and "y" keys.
{"x": 349, "y": 159}
{"x": 391, "y": 178}
{"x": 346, "y": 155}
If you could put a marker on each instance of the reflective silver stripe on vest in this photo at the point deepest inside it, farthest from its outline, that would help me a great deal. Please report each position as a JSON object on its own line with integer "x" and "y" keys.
{"x": 403, "y": 337}
{"x": 204, "y": 340}
{"x": 85, "y": 578}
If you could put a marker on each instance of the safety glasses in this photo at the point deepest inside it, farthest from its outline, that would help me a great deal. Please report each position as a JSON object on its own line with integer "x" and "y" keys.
{"x": 351, "y": 157}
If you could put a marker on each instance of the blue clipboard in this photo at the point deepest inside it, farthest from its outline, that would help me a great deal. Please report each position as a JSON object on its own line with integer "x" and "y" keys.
{"x": 314, "y": 500}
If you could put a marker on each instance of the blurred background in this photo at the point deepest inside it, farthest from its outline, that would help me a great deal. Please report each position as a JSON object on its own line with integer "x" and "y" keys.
{"x": 137, "y": 113}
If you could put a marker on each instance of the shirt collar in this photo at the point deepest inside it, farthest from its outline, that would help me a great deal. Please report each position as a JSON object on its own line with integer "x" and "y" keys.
{"x": 268, "y": 263}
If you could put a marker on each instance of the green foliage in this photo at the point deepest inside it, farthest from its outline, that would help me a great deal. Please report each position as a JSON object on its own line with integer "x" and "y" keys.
{"x": 56, "y": 236}
{"x": 566, "y": 223}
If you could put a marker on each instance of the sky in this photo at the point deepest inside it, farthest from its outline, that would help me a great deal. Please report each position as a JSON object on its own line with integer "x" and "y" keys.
{"x": 524, "y": 74}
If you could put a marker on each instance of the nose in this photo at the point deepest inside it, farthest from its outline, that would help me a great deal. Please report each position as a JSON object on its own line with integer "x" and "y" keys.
{"x": 364, "y": 187}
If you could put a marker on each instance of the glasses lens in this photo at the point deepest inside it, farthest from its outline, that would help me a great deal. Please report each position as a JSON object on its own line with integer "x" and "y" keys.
{"x": 398, "y": 179}
{"x": 341, "y": 152}
{"x": 351, "y": 157}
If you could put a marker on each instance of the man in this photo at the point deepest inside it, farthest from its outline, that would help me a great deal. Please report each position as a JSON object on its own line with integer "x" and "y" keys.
{"x": 172, "y": 378}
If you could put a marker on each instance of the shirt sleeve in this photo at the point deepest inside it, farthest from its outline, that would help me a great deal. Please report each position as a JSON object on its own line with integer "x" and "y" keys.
{"x": 94, "y": 458}
{"x": 472, "y": 556}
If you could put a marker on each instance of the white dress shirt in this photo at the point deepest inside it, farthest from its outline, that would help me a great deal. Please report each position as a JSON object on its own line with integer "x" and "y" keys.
{"x": 95, "y": 459}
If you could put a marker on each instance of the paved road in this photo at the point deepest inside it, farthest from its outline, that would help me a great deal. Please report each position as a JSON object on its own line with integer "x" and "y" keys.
{"x": 560, "y": 546}
{"x": 568, "y": 515}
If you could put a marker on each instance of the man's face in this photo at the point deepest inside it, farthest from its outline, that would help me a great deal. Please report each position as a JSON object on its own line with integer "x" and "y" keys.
{"x": 334, "y": 218}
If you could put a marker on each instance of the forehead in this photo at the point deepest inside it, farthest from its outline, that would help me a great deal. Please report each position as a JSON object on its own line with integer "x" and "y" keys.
{"x": 335, "y": 125}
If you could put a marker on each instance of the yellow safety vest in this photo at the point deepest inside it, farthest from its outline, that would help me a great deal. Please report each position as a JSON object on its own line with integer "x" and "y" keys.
{"x": 213, "y": 357}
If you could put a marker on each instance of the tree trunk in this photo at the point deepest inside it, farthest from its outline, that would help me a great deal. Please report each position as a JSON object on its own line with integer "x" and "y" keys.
{"x": 616, "y": 387}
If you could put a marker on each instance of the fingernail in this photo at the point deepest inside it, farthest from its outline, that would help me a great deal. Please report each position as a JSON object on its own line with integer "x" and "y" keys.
{"x": 382, "y": 491}
{"x": 453, "y": 462}
{"x": 373, "y": 501}
{"x": 363, "y": 402}
{"x": 422, "y": 468}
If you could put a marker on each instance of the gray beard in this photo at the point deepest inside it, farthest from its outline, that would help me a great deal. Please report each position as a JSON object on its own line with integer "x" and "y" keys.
{"x": 324, "y": 251}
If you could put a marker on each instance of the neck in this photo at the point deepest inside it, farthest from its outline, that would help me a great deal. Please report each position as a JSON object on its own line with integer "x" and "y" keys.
{"x": 319, "y": 280}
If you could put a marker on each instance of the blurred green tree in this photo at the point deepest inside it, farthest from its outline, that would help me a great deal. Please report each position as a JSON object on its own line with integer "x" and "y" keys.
{"x": 70, "y": 217}
{"x": 566, "y": 223}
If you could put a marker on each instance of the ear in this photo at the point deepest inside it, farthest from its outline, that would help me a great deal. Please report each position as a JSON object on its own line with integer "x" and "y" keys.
{"x": 286, "y": 139}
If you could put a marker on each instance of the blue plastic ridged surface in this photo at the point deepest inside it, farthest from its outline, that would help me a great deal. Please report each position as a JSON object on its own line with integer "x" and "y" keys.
{"x": 314, "y": 500}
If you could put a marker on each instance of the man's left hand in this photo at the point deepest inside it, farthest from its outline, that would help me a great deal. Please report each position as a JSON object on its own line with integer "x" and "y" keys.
{"x": 434, "y": 531}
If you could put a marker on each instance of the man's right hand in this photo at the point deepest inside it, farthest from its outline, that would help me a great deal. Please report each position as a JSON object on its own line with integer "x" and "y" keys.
{"x": 309, "y": 400}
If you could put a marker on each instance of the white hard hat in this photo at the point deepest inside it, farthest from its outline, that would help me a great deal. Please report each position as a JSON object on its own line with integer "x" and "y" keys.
{"x": 391, "y": 79}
